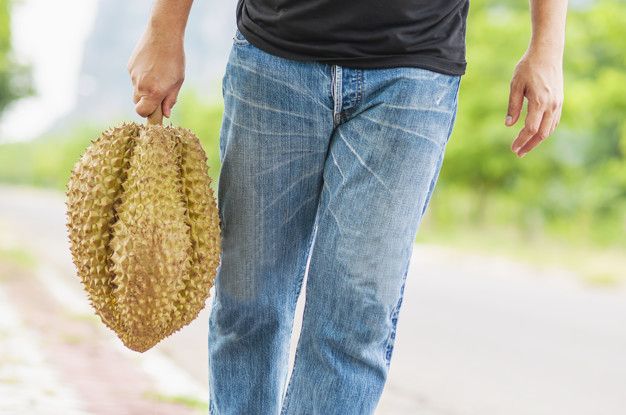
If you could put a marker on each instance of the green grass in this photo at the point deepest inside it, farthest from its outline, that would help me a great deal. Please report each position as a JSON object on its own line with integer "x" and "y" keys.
{"x": 72, "y": 339}
{"x": 604, "y": 279}
{"x": 599, "y": 266}
{"x": 10, "y": 381}
{"x": 17, "y": 256}
{"x": 187, "y": 401}
{"x": 91, "y": 319}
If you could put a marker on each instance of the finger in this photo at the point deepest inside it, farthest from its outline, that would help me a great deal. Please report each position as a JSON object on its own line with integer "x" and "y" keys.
{"x": 542, "y": 133}
{"x": 136, "y": 95}
{"x": 147, "y": 105}
{"x": 169, "y": 102}
{"x": 142, "y": 91}
{"x": 553, "y": 126}
{"x": 516, "y": 101}
{"x": 147, "y": 94}
{"x": 531, "y": 126}
{"x": 557, "y": 117}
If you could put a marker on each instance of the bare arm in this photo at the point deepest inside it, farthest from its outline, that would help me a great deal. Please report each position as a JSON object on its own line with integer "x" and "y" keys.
{"x": 538, "y": 76}
{"x": 157, "y": 65}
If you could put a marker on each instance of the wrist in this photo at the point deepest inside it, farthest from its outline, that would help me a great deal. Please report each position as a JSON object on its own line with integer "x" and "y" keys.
{"x": 552, "y": 45}
{"x": 166, "y": 28}
{"x": 546, "y": 51}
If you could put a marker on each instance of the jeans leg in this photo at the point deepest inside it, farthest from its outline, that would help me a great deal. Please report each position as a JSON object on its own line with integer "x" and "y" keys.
{"x": 273, "y": 141}
{"x": 380, "y": 171}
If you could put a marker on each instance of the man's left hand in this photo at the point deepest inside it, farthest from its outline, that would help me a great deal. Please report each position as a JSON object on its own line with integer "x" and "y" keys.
{"x": 538, "y": 76}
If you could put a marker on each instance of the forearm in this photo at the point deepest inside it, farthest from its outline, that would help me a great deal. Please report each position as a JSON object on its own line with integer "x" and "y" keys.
{"x": 157, "y": 65}
{"x": 538, "y": 76}
{"x": 170, "y": 16}
{"x": 548, "y": 26}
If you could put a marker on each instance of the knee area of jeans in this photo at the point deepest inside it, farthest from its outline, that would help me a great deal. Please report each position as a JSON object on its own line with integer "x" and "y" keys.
{"x": 357, "y": 324}
{"x": 366, "y": 344}
{"x": 383, "y": 237}
{"x": 245, "y": 318}
{"x": 372, "y": 276}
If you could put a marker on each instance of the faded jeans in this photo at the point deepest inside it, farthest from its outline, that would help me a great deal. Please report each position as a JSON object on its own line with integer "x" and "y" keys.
{"x": 333, "y": 162}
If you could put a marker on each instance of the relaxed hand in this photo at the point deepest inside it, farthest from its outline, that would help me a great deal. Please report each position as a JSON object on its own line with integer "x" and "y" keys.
{"x": 539, "y": 77}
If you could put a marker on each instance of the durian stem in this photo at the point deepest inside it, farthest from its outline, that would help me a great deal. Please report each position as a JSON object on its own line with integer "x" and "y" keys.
{"x": 156, "y": 118}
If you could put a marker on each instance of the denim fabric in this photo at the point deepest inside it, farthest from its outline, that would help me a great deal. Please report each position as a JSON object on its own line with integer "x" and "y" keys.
{"x": 339, "y": 163}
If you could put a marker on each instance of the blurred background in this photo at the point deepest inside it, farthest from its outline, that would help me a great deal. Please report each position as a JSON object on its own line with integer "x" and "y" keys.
{"x": 516, "y": 297}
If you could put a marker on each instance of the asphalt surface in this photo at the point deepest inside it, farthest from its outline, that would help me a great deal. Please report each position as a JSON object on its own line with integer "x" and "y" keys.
{"x": 476, "y": 334}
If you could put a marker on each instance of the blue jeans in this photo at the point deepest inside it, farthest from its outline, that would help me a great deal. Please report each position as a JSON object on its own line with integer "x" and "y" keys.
{"x": 333, "y": 162}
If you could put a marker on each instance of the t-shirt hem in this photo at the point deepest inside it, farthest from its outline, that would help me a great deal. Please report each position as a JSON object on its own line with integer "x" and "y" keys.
{"x": 369, "y": 62}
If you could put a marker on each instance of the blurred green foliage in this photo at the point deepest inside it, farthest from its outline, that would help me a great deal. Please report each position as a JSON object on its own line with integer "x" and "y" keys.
{"x": 48, "y": 161}
{"x": 574, "y": 182}
{"x": 15, "y": 79}
{"x": 205, "y": 120}
{"x": 573, "y": 185}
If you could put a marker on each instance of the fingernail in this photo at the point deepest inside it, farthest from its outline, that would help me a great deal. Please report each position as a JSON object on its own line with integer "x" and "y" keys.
{"x": 508, "y": 120}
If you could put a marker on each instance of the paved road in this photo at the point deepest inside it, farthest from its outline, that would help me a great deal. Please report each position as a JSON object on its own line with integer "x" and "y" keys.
{"x": 476, "y": 335}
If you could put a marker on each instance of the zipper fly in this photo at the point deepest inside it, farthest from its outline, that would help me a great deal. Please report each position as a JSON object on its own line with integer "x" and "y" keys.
{"x": 336, "y": 87}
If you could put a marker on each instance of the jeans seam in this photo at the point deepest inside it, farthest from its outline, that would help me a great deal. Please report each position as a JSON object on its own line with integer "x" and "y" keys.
{"x": 360, "y": 86}
{"x": 311, "y": 241}
{"x": 439, "y": 164}
{"x": 287, "y": 395}
{"x": 212, "y": 408}
{"x": 394, "y": 318}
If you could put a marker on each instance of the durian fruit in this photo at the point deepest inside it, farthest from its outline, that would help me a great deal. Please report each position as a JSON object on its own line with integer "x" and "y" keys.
{"x": 144, "y": 229}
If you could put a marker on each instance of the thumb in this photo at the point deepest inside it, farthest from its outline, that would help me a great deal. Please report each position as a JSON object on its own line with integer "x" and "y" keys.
{"x": 516, "y": 101}
{"x": 146, "y": 106}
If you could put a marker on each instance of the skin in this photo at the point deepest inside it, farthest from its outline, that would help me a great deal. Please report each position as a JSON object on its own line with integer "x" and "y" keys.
{"x": 157, "y": 68}
{"x": 538, "y": 76}
{"x": 157, "y": 64}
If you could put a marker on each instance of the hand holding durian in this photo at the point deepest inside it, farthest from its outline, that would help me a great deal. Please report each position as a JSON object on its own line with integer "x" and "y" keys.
{"x": 144, "y": 229}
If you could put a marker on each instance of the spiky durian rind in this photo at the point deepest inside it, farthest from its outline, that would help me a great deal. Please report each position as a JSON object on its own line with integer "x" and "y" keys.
{"x": 144, "y": 230}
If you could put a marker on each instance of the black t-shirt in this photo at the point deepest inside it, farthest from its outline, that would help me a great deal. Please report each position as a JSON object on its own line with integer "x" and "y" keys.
{"x": 360, "y": 34}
